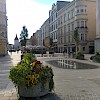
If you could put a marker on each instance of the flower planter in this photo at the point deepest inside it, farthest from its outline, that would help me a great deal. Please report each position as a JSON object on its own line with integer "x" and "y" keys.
{"x": 35, "y": 91}
{"x": 31, "y": 77}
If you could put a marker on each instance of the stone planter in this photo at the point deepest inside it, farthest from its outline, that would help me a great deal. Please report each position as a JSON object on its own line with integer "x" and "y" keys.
{"x": 36, "y": 91}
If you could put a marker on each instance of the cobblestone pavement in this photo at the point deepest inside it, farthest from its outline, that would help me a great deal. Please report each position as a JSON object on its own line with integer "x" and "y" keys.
{"x": 69, "y": 84}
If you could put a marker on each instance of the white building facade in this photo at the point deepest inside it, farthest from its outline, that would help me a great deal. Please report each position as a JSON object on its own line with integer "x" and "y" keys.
{"x": 53, "y": 21}
{"x": 97, "y": 40}
{"x": 3, "y": 28}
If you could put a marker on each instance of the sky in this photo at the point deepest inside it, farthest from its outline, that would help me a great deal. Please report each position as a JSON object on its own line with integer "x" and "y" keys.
{"x": 29, "y": 13}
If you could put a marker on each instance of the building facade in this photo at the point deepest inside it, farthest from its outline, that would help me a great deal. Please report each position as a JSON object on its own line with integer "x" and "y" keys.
{"x": 97, "y": 40}
{"x": 39, "y": 38}
{"x": 77, "y": 14}
{"x": 53, "y": 16}
{"x": 64, "y": 18}
{"x": 3, "y": 28}
{"x": 45, "y": 34}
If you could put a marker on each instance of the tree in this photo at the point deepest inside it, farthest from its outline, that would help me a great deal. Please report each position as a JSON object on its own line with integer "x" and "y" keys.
{"x": 76, "y": 38}
{"x": 51, "y": 42}
{"x": 24, "y": 36}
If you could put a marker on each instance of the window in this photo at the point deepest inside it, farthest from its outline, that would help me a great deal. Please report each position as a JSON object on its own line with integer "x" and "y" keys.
{"x": 82, "y": 37}
{"x": 58, "y": 21}
{"x": 66, "y": 39}
{"x": 58, "y": 31}
{"x": 56, "y": 14}
{"x": 85, "y": 36}
{"x": 64, "y": 28}
{"x": 68, "y": 15}
{"x": 83, "y": 48}
{"x": 69, "y": 28}
{"x": 72, "y": 13}
{"x": 61, "y": 19}
{"x": 78, "y": 24}
{"x": 72, "y": 26}
{"x": 69, "y": 38}
{"x": 56, "y": 25}
{"x": 52, "y": 27}
{"x": 64, "y": 17}
{"x": 77, "y": 10}
{"x": 61, "y": 30}
{"x": 82, "y": 24}
{"x": 81, "y": 10}
{"x": 56, "y": 35}
{"x": 85, "y": 10}
{"x": 61, "y": 40}
{"x": 85, "y": 23}
{"x": 52, "y": 18}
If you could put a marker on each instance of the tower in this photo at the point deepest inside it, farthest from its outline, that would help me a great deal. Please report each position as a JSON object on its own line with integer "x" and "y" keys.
{"x": 16, "y": 43}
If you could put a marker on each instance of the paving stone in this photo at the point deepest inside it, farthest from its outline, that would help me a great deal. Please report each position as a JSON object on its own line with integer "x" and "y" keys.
{"x": 4, "y": 98}
{"x": 13, "y": 98}
{"x": 14, "y": 94}
{"x": 8, "y": 94}
{"x": 76, "y": 85}
{"x": 1, "y": 95}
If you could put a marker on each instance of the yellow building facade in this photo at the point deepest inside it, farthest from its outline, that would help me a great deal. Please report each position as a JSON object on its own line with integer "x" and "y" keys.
{"x": 3, "y": 49}
{"x": 3, "y": 28}
{"x": 80, "y": 14}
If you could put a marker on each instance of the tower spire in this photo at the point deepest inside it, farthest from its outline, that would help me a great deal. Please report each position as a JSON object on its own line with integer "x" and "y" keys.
{"x": 16, "y": 38}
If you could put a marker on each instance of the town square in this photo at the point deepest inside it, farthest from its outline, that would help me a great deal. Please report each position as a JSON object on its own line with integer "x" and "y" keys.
{"x": 60, "y": 60}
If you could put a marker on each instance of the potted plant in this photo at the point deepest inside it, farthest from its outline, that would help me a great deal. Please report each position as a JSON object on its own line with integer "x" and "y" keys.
{"x": 79, "y": 55}
{"x": 31, "y": 77}
{"x": 96, "y": 57}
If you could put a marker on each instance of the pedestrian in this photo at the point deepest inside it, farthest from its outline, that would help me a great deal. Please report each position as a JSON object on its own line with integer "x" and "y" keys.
{"x": 41, "y": 53}
{"x": 69, "y": 54}
{"x": 11, "y": 52}
{"x": 22, "y": 55}
{"x": 17, "y": 50}
{"x": 64, "y": 53}
{"x": 52, "y": 53}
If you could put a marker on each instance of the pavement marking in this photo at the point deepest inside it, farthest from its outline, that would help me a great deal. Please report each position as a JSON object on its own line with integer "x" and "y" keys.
{"x": 4, "y": 70}
{"x": 79, "y": 77}
{"x": 4, "y": 74}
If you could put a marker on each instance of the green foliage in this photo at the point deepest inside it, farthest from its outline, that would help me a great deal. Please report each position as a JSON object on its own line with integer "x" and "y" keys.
{"x": 30, "y": 72}
{"x": 51, "y": 42}
{"x": 79, "y": 55}
{"x": 76, "y": 38}
{"x": 97, "y": 53}
{"x": 18, "y": 73}
{"x": 29, "y": 56}
{"x": 97, "y": 57}
{"x": 24, "y": 36}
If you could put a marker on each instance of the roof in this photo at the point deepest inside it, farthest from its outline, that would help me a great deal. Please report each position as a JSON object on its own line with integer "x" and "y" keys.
{"x": 16, "y": 38}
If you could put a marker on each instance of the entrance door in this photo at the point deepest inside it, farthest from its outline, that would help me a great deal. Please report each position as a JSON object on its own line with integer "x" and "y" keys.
{"x": 91, "y": 49}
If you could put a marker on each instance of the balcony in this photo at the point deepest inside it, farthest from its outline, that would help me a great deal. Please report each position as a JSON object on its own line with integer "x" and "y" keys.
{"x": 82, "y": 29}
{"x": 83, "y": 42}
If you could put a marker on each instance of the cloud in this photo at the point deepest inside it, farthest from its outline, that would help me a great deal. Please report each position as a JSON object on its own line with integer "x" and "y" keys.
{"x": 25, "y": 12}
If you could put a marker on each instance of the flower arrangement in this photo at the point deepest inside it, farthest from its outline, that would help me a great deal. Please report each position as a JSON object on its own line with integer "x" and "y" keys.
{"x": 96, "y": 57}
{"x": 79, "y": 55}
{"x": 30, "y": 72}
